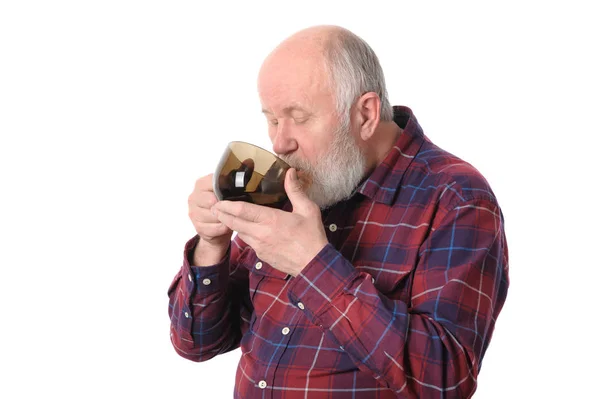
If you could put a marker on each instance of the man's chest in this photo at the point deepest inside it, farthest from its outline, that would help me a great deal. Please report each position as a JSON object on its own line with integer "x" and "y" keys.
{"x": 376, "y": 239}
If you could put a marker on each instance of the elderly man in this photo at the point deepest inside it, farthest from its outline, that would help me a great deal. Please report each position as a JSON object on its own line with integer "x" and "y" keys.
{"x": 381, "y": 278}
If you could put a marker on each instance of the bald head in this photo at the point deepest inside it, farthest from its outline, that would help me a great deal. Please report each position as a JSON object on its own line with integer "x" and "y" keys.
{"x": 309, "y": 44}
{"x": 297, "y": 66}
{"x": 345, "y": 63}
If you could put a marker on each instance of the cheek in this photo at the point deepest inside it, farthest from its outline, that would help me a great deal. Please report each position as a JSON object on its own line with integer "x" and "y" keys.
{"x": 309, "y": 142}
{"x": 272, "y": 131}
{"x": 321, "y": 138}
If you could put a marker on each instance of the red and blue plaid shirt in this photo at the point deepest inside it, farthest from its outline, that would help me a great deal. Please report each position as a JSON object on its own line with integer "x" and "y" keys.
{"x": 401, "y": 303}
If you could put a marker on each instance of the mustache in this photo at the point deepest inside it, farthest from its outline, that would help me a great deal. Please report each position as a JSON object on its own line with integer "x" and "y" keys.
{"x": 297, "y": 162}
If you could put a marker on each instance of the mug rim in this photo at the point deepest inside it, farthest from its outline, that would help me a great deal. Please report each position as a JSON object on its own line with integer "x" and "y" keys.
{"x": 262, "y": 149}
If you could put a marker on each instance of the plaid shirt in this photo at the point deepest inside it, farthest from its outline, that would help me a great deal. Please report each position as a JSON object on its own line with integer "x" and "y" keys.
{"x": 401, "y": 303}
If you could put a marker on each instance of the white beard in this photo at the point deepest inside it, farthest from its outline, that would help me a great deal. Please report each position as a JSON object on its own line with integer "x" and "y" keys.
{"x": 337, "y": 173}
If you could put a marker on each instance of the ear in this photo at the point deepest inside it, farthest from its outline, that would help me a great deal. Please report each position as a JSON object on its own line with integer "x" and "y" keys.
{"x": 368, "y": 108}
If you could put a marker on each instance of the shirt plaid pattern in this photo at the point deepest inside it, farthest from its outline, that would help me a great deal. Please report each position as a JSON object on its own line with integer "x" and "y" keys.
{"x": 401, "y": 303}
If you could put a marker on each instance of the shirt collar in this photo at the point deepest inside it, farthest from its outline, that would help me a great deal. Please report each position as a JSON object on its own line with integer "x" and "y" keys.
{"x": 383, "y": 183}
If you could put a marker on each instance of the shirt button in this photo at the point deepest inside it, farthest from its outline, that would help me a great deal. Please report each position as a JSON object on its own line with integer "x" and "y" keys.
{"x": 332, "y": 227}
{"x": 258, "y": 265}
{"x": 373, "y": 280}
{"x": 301, "y": 305}
{"x": 206, "y": 281}
{"x": 190, "y": 277}
{"x": 187, "y": 315}
{"x": 285, "y": 331}
{"x": 262, "y": 384}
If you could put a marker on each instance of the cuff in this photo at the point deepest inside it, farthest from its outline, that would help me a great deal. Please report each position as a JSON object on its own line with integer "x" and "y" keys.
{"x": 204, "y": 280}
{"x": 324, "y": 278}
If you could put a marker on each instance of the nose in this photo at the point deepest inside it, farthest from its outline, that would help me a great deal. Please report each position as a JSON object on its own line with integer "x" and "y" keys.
{"x": 283, "y": 142}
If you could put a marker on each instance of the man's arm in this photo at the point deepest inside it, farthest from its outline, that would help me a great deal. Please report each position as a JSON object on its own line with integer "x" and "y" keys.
{"x": 435, "y": 346}
{"x": 209, "y": 306}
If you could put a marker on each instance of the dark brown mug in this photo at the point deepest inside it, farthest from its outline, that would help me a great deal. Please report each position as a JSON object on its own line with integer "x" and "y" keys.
{"x": 249, "y": 173}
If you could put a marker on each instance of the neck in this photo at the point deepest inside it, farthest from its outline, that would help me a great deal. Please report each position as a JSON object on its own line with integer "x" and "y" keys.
{"x": 382, "y": 141}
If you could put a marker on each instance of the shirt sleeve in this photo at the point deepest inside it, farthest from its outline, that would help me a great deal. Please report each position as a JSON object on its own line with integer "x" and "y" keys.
{"x": 433, "y": 346}
{"x": 210, "y": 306}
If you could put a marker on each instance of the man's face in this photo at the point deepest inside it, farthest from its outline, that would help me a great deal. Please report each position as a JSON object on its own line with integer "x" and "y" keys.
{"x": 307, "y": 133}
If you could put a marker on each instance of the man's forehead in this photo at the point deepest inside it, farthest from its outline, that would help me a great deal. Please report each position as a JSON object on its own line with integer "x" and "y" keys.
{"x": 289, "y": 79}
{"x": 296, "y": 93}
{"x": 291, "y": 74}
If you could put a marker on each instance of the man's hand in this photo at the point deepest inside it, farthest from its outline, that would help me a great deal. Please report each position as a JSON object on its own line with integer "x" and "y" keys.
{"x": 288, "y": 241}
{"x": 214, "y": 236}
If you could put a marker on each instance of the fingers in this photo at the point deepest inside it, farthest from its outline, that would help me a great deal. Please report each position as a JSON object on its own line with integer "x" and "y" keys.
{"x": 245, "y": 211}
{"x": 203, "y": 195}
{"x": 213, "y": 230}
{"x": 244, "y": 217}
{"x": 234, "y": 223}
{"x": 204, "y": 183}
{"x": 300, "y": 202}
{"x": 203, "y": 199}
{"x": 202, "y": 215}
{"x": 200, "y": 201}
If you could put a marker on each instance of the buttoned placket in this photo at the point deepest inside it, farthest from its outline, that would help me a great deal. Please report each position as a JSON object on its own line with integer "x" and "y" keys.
{"x": 283, "y": 335}
{"x": 335, "y": 222}
{"x": 332, "y": 230}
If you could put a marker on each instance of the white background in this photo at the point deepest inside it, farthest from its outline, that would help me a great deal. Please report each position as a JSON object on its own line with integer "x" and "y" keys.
{"x": 109, "y": 111}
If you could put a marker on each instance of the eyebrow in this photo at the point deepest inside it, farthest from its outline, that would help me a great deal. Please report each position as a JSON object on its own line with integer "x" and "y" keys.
{"x": 287, "y": 110}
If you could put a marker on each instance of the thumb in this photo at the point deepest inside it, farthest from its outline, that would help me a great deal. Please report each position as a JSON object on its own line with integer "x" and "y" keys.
{"x": 294, "y": 191}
